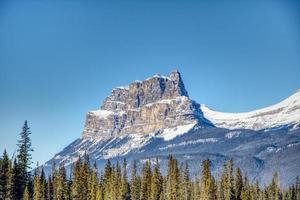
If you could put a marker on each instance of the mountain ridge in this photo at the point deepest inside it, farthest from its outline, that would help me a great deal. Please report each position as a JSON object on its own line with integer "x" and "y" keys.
{"x": 156, "y": 117}
{"x": 289, "y": 109}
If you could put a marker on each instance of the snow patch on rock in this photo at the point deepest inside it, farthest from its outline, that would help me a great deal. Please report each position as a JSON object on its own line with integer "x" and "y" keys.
{"x": 171, "y": 133}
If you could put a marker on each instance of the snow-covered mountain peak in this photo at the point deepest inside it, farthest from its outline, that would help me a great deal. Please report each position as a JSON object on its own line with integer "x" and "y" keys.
{"x": 283, "y": 113}
{"x": 156, "y": 117}
{"x": 155, "y": 104}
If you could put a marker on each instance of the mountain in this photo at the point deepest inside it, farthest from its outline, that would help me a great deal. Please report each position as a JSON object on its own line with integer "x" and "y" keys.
{"x": 275, "y": 116}
{"x": 154, "y": 118}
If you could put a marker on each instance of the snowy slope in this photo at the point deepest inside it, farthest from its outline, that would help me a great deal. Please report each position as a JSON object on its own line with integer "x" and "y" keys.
{"x": 283, "y": 113}
{"x": 156, "y": 118}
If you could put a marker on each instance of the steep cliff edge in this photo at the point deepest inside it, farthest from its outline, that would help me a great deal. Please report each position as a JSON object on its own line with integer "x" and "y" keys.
{"x": 144, "y": 107}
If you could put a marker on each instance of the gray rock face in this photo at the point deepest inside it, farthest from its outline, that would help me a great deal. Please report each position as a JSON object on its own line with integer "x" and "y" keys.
{"x": 155, "y": 118}
{"x": 143, "y": 107}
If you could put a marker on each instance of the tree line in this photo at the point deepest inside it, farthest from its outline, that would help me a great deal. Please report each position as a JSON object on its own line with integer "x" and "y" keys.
{"x": 113, "y": 183}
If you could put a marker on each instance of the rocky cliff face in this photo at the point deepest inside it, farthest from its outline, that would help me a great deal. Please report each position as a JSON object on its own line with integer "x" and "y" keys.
{"x": 143, "y": 107}
{"x": 155, "y": 118}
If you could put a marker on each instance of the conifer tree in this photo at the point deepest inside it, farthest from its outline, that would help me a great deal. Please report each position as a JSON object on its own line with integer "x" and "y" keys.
{"x": 146, "y": 181}
{"x": 1, "y": 183}
{"x": 208, "y": 188}
{"x": 93, "y": 183}
{"x": 10, "y": 195}
{"x": 274, "y": 191}
{"x": 196, "y": 193}
{"x": 26, "y": 195}
{"x": 43, "y": 185}
{"x": 18, "y": 184}
{"x": 84, "y": 174}
{"x": 255, "y": 194}
{"x": 238, "y": 184}
{"x": 99, "y": 193}
{"x": 4, "y": 172}
{"x": 107, "y": 178}
{"x": 112, "y": 184}
{"x": 185, "y": 183}
{"x": 50, "y": 188}
{"x": 156, "y": 182}
{"x": 245, "y": 194}
{"x": 223, "y": 183}
{"x": 135, "y": 186}
{"x": 229, "y": 184}
{"x": 24, "y": 159}
{"x": 173, "y": 179}
{"x": 60, "y": 190}
{"x": 297, "y": 186}
{"x": 125, "y": 187}
{"x": 117, "y": 182}
{"x": 37, "y": 194}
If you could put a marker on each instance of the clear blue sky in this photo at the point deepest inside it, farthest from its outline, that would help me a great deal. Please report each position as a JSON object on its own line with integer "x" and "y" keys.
{"x": 59, "y": 59}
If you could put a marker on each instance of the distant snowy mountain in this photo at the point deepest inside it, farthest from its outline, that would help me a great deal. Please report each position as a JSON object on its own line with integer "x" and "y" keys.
{"x": 155, "y": 118}
{"x": 284, "y": 113}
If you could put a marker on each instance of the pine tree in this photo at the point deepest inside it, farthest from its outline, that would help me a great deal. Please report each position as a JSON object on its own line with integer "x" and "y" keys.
{"x": 146, "y": 181}
{"x": 135, "y": 186}
{"x": 26, "y": 195}
{"x": 60, "y": 189}
{"x": 18, "y": 184}
{"x": 156, "y": 182}
{"x": 107, "y": 180}
{"x": 223, "y": 183}
{"x": 50, "y": 188}
{"x": 93, "y": 184}
{"x": 1, "y": 181}
{"x": 4, "y": 168}
{"x": 76, "y": 180}
{"x": 173, "y": 179}
{"x": 43, "y": 185}
{"x": 208, "y": 188}
{"x": 238, "y": 184}
{"x": 10, "y": 195}
{"x": 125, "y": 187}
{"x": 245, "y": 194}
{"x": 24, "y": 159}
{"x": 118, "y": 182}
{"x": 112, "y": 185}
{"x": 255, "y": 194}
{"x": 81, "y": 172}
{"x": 229, "y": 186}
{"x": 37, "y": 194}
{"x": 185, "y": 183}
{"x": 274, "y": 188}
{"x": 24, "y": 154}
{"x": 196, "y": 193}
{"x": 297, "y": 186}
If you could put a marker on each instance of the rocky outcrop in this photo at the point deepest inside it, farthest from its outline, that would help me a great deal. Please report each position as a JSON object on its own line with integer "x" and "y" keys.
{"x": 143, "y": 107}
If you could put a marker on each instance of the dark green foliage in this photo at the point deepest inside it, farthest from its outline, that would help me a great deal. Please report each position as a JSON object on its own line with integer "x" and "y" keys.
{"x": 85, "y": 183}
{"x": 208, "y": 188}
{"x": 156, "y": 183}
{"x": 173, "y": 179}
{"x": 21, "y": 167}
{"x": 4, "y": 173}
{"x": 135, "y": 187}
{"x": 186, "y": 185}
{"x": 238, "y": 184}
{"x": 146, "y": 181}
{"x": 125, "y": 187}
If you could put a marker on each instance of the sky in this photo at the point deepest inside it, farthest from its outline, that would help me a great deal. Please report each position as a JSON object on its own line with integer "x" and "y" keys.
{"x": 60, "y": 59}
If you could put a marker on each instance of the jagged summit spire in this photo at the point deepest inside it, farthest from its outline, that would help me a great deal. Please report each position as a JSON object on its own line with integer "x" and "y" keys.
{"x": 176, "y": 77}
